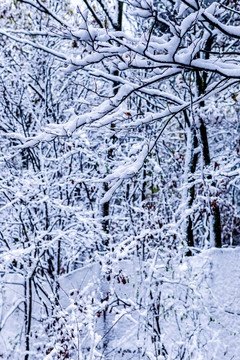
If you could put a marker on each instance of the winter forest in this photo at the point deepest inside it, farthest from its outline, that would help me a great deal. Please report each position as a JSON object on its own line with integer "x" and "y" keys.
{"x": 120, "y": 179}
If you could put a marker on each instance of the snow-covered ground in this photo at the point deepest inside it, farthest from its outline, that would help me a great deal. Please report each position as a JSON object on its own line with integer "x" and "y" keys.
{"x": 200, "y": 299}
{"x": 220, "y": 293}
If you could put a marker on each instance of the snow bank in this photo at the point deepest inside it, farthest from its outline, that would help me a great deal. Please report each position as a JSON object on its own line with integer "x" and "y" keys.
{"x": 199, "y": 306}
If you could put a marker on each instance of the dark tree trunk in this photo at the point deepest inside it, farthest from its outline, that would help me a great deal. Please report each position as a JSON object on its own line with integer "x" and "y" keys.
{"x": 106, "y": 206}
{"x": 27, "y": 314}
{"x": 201, "y": 80}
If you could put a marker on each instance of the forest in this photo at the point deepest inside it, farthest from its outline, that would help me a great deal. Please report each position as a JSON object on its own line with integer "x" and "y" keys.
{"x": 120, "y": 179}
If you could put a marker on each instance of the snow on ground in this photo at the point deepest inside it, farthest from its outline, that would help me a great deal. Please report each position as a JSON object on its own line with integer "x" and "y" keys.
{"x": 221, "y": 268}
{"x": 200, "y": 297}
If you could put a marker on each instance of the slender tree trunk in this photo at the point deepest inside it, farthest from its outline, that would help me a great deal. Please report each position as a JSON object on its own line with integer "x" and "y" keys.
{"x": 215, "y": 210}
{"x": 106, "y": 206}
{"x": 191, "y": 197}
{"x": 217, "y": 229}
{"x": 27, "y": 314}
{"x": 192, "y": 140}
{"x": 201, "y": 80}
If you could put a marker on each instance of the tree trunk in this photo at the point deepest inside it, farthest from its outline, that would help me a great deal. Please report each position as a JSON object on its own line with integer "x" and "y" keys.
{"x": 201, "y": 81}
{"x": 27, "y": 314}
{"x": 106, "y": 206}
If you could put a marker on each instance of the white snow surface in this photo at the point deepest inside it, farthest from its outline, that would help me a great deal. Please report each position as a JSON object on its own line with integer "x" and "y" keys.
{"x": 210, "y": 322}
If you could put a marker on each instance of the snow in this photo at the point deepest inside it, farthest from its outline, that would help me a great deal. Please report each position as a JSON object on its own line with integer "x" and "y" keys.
{"x": 188, "y": 22}
{"x": 211, "y": 279}
{"x": 230, "y": 30}
{"x": 221, "y": 297}
{"x": 84, "y": 105}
